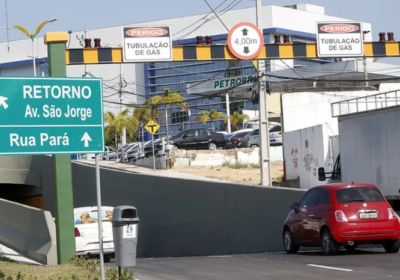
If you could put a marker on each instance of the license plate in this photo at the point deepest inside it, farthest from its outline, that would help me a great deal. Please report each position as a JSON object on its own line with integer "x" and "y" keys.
{"x": 272, "y": 140}
{"x": 228, "y": 143}
{"x": 367, "y": 216}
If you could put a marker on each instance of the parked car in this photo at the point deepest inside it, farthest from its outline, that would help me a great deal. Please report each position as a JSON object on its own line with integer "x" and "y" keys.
{"x": 87, "y": 233}
{"x": 200, "y": 138}
{"x": 254, "y": 138}
{"x": 112, "y": 155}
{"x": 342, "y": 214}
{"x": 275, "y": 137}
{"x": 238, "y": 140}
{"x": 108, "y": 150}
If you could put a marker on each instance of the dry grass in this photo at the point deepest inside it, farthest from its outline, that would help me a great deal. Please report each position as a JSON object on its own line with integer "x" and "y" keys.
{"x": 27, "y": 272}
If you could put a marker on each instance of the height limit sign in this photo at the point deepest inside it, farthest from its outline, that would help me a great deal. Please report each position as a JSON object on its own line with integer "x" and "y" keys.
{"x": 340, "y": 39}
{"x": 146, "y": 44}
{"x": 245, "y": 41}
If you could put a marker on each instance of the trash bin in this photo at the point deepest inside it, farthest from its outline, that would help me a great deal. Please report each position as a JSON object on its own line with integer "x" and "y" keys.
{"x": 125, "y": 230}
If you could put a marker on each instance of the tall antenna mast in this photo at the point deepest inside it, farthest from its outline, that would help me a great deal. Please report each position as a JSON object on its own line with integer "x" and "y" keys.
{"x": 8, "y": 37}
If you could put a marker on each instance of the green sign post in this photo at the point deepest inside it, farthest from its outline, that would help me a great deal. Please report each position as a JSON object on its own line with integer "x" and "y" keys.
{"x": 51, "y": 116}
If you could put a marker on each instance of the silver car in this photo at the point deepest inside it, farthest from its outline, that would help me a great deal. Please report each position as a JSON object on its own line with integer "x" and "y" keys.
{"x": 275, "y": 137}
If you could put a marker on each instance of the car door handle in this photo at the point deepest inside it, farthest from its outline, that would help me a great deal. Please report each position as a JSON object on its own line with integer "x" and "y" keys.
{"x": 311, "y": 215}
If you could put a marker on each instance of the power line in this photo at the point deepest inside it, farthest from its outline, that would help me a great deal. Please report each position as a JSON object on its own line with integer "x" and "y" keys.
{"x": 330, "y": 80}
{"x": 225, "y": 10}
{"x": 199, "y": 19}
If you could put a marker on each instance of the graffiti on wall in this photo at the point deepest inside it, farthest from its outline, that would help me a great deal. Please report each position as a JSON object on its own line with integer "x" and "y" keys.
{"x": 308, "y": 161}
{"x": 311, "y": 163}
{"x": 294, "y": 155}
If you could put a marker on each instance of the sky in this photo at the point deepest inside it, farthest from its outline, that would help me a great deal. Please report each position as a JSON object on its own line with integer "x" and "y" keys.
{"x": 80, "y": 15}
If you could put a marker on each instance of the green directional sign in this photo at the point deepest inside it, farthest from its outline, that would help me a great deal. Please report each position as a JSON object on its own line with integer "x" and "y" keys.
{"x": 51, "y": 116}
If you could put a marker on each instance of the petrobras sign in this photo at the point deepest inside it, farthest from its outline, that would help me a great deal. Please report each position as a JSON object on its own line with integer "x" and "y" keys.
{"x": 340, "y": 39}
{"x": 220, "y": 84}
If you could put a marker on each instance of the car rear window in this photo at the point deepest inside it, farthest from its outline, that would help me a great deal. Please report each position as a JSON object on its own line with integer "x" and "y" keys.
{"x": 275, "y": 129}
{"x": 241, "y": 134}
{"x": 91, "y": 217}
{"x": 360, "y": 194}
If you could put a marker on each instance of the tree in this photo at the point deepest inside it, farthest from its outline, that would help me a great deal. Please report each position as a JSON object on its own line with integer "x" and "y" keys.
{"x": 212, "y": 116}
{"x": 169, "y": 99}
{"x": 144, "y": 114}
{"x": 237, "y": 120}
{"x": 118, "y": 123}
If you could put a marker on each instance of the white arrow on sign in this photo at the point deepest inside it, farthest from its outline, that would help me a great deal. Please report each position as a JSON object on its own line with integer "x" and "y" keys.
{"x": 3, "y": 102}
{"x": 86, "y": 138}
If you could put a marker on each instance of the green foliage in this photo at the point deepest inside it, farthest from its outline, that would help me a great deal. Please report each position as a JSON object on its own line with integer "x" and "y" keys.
{"x": 212, "y": 116}
{"x": 116, "y": 124}
{"x": 237, "y": 120}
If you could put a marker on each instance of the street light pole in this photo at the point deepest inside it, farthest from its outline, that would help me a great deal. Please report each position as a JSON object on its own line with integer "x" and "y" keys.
{"x": 32, "y": 36}
{"x": 33, "y": 56}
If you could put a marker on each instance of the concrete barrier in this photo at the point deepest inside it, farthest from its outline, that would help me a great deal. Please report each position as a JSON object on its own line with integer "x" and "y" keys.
{"x": 29, "y": 231}
{"x": 181, "y": 217}
{"x": 178, "y": 217}
{"x": 219, "y": 157}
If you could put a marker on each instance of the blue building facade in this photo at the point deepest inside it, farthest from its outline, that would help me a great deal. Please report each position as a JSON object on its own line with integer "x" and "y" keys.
{"x": 176, "y": 75}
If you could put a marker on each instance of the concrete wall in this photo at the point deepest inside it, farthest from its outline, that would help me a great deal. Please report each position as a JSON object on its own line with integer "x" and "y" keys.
{"x": 183, "y": 217}
{"x": 306, "y": 109}
{"x": 29, "y": 231}
{"x": 305, "y": 151}
{"x": 218, "y": 157}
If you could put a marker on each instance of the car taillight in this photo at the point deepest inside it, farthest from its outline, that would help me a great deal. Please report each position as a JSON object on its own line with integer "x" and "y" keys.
{"x": 340, "y": 216}
{"x": 238, "y": 141}
{"x": 280, "y": 132}
{"x": 392, "y": 214}
{"x": 77, "y": 233}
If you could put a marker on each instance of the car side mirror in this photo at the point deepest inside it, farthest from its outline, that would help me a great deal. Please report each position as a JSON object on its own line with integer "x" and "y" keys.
{"x": 321, "y": 174}
{"x": 295, "y": 206}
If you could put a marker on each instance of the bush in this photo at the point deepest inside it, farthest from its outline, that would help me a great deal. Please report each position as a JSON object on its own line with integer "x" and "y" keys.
{"x": 77, "y": 268}
{"x": 236, "y": 165}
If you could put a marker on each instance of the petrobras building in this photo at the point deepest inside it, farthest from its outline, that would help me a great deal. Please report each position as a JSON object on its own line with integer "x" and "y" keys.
{"x": 129, "y": 83}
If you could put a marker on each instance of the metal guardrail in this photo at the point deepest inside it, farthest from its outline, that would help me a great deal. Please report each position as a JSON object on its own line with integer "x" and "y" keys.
{"x": 365, "y": 103}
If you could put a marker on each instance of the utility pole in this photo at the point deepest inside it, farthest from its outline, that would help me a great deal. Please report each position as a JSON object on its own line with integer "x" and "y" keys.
{"x": 228, "y": 112}
{"x": 266, "y": 179}
{"x": 86, "y": 32}
{"x": 365, "y": 63}
{"x": 121, "y": 89}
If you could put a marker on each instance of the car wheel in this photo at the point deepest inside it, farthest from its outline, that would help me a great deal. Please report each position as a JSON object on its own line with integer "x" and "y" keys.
{"x": 392, "y": 246}
{"x": 107, "y": 258}
{"x": 329, "y": 245}
{"x": 350, "y": 249}
{"x": 212, "y": 146}
{"x": 288, "y": 243}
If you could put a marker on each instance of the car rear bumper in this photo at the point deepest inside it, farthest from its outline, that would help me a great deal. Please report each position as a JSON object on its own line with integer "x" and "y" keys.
{"x": 95, "y": 252}
{"x": 357, "y": 232}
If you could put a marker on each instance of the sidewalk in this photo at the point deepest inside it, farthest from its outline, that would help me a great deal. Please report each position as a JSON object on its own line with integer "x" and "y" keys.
{"x": 143, "y": 170}
{"x": 12, "y": 255}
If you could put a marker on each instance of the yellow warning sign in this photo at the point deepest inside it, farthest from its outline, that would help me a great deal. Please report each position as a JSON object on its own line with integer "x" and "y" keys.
{"x": 152, "y": 126}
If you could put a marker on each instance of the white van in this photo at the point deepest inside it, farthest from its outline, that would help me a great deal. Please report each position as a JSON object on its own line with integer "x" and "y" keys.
{"x": 87, "y": 232}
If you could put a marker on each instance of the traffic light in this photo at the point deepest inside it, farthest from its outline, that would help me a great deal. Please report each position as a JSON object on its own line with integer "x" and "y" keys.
{"x": 255, "y": 97}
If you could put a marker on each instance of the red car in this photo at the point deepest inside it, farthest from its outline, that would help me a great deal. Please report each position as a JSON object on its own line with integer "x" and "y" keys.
{"x": 342, "y": 214}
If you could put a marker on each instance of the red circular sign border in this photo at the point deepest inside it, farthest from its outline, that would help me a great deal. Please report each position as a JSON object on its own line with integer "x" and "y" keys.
{"x": 257, "y": 53}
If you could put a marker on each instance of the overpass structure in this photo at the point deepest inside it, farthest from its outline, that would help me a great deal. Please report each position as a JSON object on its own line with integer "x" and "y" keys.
{"x": 162, "y": 206}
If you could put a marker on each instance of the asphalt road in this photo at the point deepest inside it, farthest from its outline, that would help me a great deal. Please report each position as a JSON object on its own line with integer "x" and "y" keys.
{"x": 363, "y": 264}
